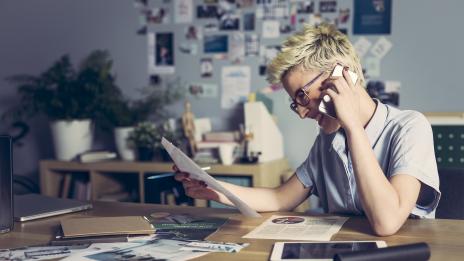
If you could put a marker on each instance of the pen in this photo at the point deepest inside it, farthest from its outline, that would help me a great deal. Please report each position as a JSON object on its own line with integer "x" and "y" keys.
{"x": 164, "y": 175}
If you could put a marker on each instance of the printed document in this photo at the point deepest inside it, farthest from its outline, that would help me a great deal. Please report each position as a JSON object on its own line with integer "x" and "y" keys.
{"x": 185, "y": 164}
{"x": 298, "y": 228}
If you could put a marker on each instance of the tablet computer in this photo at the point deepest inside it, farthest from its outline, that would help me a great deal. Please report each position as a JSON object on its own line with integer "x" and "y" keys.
{"x": 313, "y": 251}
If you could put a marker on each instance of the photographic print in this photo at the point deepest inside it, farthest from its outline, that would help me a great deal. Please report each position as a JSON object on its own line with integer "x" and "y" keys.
{"x": 229, "y": 22}
{"x": 372, "y": 17}
{"x": 327, "y": 6}
{"x": 207, "y": 11}
{"x": 164, "y": 49}
{"x": 249, "y": 22}
{"x": 161, "y": 53}
{"x": 206, "y": 67}
{"x": 305, "y": 7}
{"x": 157, "y": 16}
{"x": 193, "y": 32}
{"x": 216, "y": 44}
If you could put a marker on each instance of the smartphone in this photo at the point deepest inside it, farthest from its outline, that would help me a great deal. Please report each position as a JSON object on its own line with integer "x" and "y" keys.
{"x": 326, "y": 106}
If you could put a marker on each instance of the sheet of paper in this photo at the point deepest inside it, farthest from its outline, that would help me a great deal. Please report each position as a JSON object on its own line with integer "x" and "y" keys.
{"x": 361, "y": 46}
{"x": 298, "y": 228}
{"x": 381, "y": 47}
{"x": 372, "y": 65}
{"x": 271, "y": 29}
{"x": 185, "y": 164}
{"x": 236, "y": 82}
{"x": 183, "y": 11}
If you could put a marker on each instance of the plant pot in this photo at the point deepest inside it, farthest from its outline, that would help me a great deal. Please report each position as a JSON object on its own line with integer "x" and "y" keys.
{"x": 120, "y": 137}
{"x": 145, "y": 154}
{"x": 71, "y": 138}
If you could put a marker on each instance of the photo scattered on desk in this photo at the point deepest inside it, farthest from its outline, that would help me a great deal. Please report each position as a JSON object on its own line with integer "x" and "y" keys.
{"x": 288, "y": 220}
{"x": 216, "y": 44}
{"x": 322, "y": 250}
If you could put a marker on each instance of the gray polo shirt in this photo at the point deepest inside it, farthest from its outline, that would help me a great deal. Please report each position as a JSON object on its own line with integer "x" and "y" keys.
{"x": 402, "y": 142}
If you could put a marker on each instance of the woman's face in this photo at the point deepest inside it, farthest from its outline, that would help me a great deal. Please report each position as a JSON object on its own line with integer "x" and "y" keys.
{"x": 294, "y": 81}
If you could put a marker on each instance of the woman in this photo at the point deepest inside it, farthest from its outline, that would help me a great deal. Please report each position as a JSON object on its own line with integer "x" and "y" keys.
{"x": 372, "y": 159}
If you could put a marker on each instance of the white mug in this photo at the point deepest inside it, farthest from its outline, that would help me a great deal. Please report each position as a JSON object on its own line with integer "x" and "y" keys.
{"x": 226, "y": 153}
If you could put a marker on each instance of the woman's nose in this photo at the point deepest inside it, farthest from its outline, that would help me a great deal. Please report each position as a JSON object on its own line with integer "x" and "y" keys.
{"x": 302, "y": 111}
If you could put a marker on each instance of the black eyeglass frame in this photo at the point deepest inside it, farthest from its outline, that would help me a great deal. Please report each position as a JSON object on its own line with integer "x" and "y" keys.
{"x": 303, "y": 91}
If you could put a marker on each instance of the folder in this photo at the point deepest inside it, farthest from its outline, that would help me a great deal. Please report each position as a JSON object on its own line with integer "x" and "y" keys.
{"x": 102, "y": 226}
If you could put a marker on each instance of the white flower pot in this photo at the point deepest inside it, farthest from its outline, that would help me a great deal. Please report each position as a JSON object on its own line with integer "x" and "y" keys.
{"x": 124, "y": 150}
{"x": 71, "y": 138}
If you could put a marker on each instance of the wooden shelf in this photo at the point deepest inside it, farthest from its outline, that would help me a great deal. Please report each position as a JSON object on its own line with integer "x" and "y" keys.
{"x": 115, "y": 176}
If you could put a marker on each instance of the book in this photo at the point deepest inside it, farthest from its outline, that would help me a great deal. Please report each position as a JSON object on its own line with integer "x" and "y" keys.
{"x": 95, "y": 156}
{"x": 223, "y": 136}
{"x": 103, "y": 226}
{"x": 60, "y": 240}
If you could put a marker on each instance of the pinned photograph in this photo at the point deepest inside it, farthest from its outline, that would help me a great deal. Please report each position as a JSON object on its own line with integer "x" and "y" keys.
{"x": 161, "y": 53}
{"x": 211, "y": 27}
{"x": 271, "y": 29}
{"x": 229, "y": 21}
{"x": 249, "y": 22}
{"x": 157, "y": 16}
{"x": 343, "y": 15}
{"x": 188, "y": 48}
{"x": 183, "y": 11}
{"x": 216, "y": 44}
{"x": 193, "y": 32}
{"x": 203, "y": 90}
{"x": 305, "y": 7}
{"x": 251, "y": 45}
{"x": 237, "y": 47}
{"x": 206, "y": 67}
{"x": 164, "y": 49}
{"x": 207, "y": 11}
{"x": 285, "y": 28}
{"x": 245, "y": 3}
{"x": 328, "y": 6}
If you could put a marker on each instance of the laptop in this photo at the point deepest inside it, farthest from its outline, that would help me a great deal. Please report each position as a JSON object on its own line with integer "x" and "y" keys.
{"x": 34, "y": 206}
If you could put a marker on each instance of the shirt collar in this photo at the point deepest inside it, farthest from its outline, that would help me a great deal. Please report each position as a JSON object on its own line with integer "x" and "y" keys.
{"x": 373, "y": 129}
{"x": 377, "y": 122}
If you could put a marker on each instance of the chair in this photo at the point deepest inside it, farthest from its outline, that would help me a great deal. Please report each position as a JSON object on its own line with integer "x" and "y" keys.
{"x": 451, "y": 204}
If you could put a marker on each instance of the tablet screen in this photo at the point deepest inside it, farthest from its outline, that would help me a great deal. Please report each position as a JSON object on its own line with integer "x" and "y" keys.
{"x": 322, "y": 250}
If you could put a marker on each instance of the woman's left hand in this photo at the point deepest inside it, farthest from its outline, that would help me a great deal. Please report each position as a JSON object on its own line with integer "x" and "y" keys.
{"x": 345, "y": 99}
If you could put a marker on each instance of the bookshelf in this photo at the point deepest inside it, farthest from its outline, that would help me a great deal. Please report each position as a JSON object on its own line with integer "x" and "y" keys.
{"x": 100, "y": 179}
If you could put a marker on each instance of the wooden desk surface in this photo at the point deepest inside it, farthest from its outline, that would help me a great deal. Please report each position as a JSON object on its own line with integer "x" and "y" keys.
{"x": 445, "y": 237}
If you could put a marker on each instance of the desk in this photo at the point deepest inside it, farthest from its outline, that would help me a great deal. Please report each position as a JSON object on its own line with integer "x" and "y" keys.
{"x": 445, "y": 237}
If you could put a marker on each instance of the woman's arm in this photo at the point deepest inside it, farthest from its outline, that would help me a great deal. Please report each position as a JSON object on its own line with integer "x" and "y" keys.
{"x": 283, "y": 198}
{"x": 387, "y": 203}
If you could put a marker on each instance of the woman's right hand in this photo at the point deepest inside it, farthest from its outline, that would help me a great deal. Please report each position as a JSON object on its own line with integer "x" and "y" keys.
{"x": 195, "y": 188}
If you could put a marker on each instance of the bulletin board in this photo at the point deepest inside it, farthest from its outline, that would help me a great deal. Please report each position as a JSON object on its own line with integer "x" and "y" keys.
{"x": 220, "y": 48}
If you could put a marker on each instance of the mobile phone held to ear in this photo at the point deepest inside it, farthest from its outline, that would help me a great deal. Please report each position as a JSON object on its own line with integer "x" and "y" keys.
{"x": 326, "y": 106}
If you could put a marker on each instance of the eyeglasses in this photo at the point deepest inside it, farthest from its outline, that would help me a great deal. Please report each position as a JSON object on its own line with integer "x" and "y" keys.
{"x": 302, "y": 96}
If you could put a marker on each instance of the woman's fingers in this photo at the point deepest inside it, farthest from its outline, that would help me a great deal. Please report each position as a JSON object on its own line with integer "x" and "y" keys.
{"x": 180, "y": 176}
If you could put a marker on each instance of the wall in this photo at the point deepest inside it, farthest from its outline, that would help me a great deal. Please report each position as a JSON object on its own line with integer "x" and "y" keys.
{"x": 426, "y": 59}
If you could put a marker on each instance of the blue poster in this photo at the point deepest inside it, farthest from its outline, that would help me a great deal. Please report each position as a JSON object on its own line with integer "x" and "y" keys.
{"x": 372, "y": 17}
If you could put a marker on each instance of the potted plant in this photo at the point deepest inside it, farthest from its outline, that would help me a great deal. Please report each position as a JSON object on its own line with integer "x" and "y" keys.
{"x": 146, "y": 139}
{"x": 71, "y": 98}
{"x": 123, "y": 114}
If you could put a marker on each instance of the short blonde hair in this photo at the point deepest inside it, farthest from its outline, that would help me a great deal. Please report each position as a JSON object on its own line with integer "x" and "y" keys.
{"x": 317, "y": 48}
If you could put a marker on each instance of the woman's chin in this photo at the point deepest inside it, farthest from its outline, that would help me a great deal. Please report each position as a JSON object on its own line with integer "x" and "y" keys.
{"x": 328, "y": 125}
